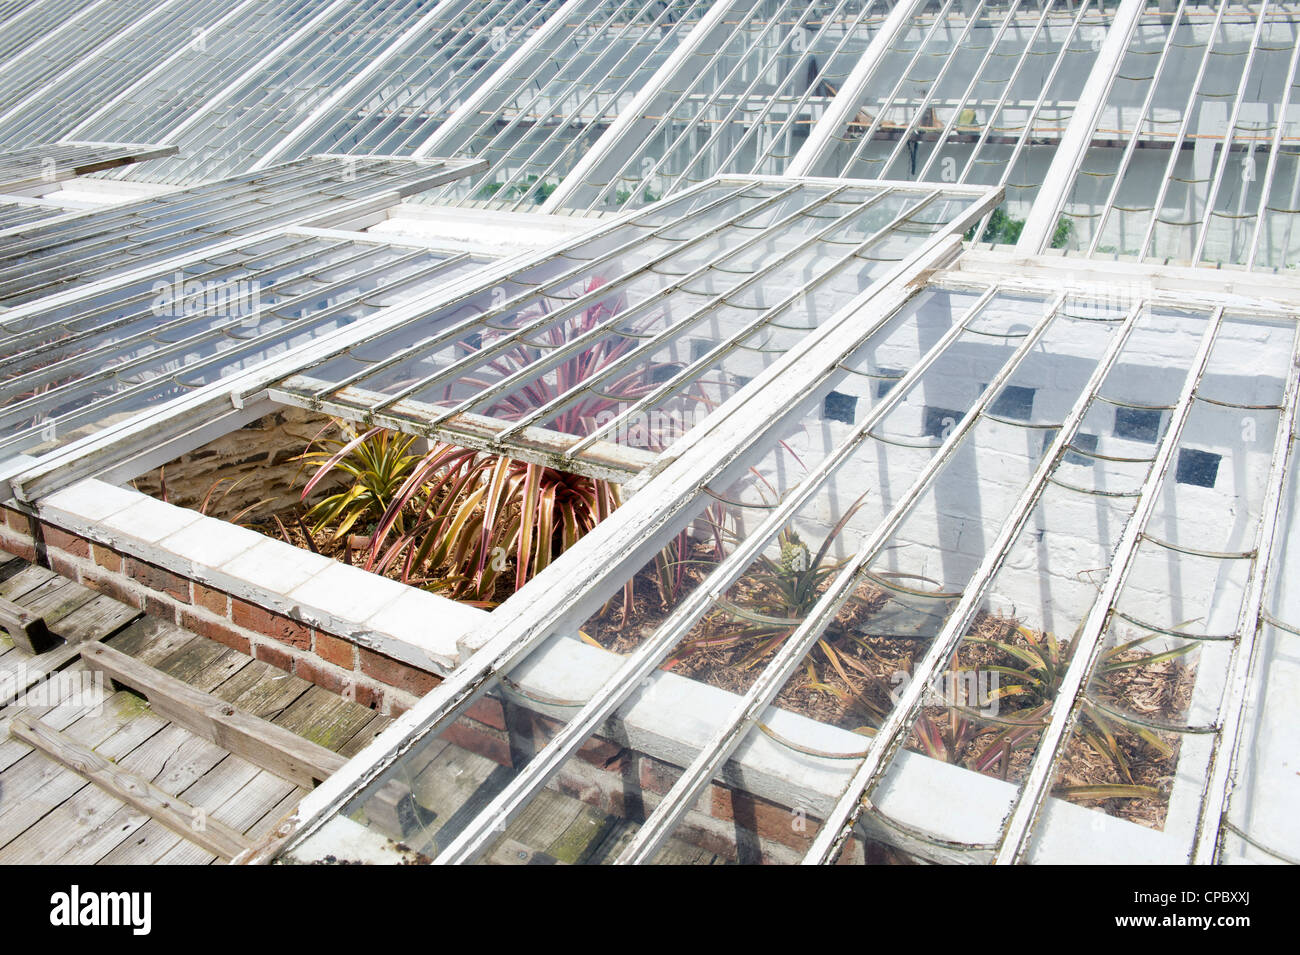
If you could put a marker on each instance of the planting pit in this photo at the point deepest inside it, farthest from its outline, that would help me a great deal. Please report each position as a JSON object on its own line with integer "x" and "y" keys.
{"x": 852, "y": 680}
{"x": 265, "y": 477}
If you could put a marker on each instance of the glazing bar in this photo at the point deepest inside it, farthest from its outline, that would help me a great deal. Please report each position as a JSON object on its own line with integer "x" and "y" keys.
{"x": 1064, "y": 713}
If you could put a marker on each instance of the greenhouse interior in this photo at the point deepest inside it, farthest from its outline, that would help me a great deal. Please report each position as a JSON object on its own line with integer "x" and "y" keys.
{"x": 649, "y": 431}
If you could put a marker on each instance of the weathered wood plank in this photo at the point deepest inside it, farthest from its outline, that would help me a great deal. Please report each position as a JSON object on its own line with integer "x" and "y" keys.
{"x": 70, "y": 611}
{"x": 261, "y": 796}
{"x": 97, "y": 619}
{"x": 93, "y": 825}
{"x": 174, "y": 813}
{"x": 27, "y": 630}
{"x": 94, "y": 821}
{"x": 239, "y": 792}
{"x": 325, "y": 718}
{"x": 55, "y": 599}
{"x": 120, "y": 728}
{"x": 364, "y": 735}
{"x": 22, "y": 670}
{"x": 63, "y": 713}
{"x": 25, "y": 580}
{"x": 149, "y": 639}
{"x": 265, "y": 744}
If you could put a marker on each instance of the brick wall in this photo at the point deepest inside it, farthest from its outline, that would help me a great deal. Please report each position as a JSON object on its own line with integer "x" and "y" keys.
{"x": 325, "y": 659}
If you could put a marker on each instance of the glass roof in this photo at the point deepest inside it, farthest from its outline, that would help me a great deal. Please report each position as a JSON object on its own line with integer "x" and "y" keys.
{"x": 1174, "y": 116}
{"x": 175, "y": 91}
{"x": 103, "y": 73}
{"x": 1193, "y": 158}
{"x": 37, "y": 166}
{"x": 982, "y": 553}
{"x": 407, "y": 94}
{"x": 633, "y": 334}
{"x": 977, "y": 93}
{"x": 578, "y": 78}
{"x": 70, "y": 369}
{"x": 743, "y": 101}
{"x": 1036, "y": 502}
{"x": 80, "y": 248}
{"x": 272, "y": 100}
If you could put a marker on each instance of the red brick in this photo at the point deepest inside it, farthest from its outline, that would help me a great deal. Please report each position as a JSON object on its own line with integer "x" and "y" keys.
{"x": 488, "y": 711}
{"x": 61, "y": 563}
{"x": 853, "y": 853}
{"x": 767, "y": 819}
{"x": 159, "y": 608}
{"x": 213, "y": 630}
{"x": 657, "y": 777}
{"x": 68, "y": 543}
{"x": 336, "y": 651}
{"x": 155, "y": 578}
{"x": 602, "y": 754}
{"x": 20, "y": 548}
{"x": 365, "y": 694}
{"x": 104, "y": 557}
{"x": 210, "y": 599}
{"x": 607, "y": 798}
{"x": 19, "y": 521}
{"x": 706, "y": 839}
{"x": 273, "y": 625}
{"x": 395, "y": 673}
{"x": 116, "y": 588}
{"x": 269, "y": 653}
{"x": 482, "y": 741}
{"x": 322, "y": 676}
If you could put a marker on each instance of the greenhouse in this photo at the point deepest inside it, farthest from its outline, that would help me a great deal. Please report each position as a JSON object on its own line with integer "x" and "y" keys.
{"x": 649, "y": 431}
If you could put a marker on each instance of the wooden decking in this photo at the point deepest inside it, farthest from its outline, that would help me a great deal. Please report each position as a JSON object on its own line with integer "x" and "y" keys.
{"x": 50, "y": 814}
{"x": 106, "y": 777}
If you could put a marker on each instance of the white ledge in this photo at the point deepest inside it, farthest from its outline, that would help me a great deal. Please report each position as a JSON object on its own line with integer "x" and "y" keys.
{"x": 411, "y": 625}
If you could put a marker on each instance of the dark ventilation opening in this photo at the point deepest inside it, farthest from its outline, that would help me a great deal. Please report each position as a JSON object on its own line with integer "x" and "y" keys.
{"x": 1198, "y": 468}
{"x": 1084, "y": 442}
{"x": 937, "y": 421}
{"x": 886, "y": 383}
{"x": 1137, "y": 424}
{"x": 1014, "y": 402}
{"x": 839, "y": 407}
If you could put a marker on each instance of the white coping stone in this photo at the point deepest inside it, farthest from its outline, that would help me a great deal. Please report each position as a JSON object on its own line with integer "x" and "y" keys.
{"x": 417, "y": 627}
{"x": 210, "y": 543}
{"x": 345, "y": 595}
{"x": 91, "y": 500}
{"x": 428, "y": 622}
{"x": 268, "y": 565}
{"x": 149, "y": 521}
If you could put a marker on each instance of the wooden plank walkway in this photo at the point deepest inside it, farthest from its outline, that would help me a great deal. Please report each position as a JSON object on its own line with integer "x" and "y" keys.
{"x": 52, "y": 814}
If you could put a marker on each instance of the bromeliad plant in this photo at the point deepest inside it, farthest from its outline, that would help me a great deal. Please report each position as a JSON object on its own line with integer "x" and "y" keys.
{"x": 378, "y": 464}
{"x": 1032, "y": 677}
{"x": 452, "y": 519}
{"x": 777, "y": 595}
